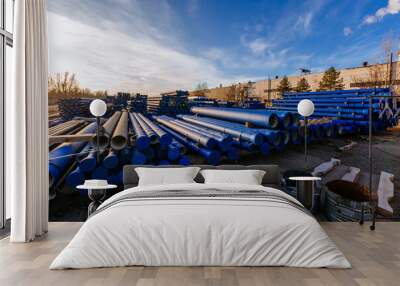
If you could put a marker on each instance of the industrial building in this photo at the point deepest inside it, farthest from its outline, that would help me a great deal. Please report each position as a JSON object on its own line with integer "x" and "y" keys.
{"x": 365, "y": 76}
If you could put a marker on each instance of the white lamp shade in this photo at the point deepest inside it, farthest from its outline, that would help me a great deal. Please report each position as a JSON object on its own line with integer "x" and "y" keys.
{"x": 98, "y": 107}
{"x": 305, "y": 107}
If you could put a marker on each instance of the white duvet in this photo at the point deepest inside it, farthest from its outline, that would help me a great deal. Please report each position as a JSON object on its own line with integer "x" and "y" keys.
{"x": 193, "y": 231}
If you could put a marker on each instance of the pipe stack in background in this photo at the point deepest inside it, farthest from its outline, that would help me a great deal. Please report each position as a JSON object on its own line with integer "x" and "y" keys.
{"x": 71, "y": 107}
{"x": 169, "y": 103}
{"x": 347, "y": 107}
{"x": 138, "y": 103}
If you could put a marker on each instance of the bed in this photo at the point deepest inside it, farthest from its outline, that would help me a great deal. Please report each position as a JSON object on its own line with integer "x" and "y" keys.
{"x": 197, "y": 224}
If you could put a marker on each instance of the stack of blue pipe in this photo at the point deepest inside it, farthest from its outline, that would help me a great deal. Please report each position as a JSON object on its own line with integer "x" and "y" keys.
{"x": 153, "y": 145}
{"x": 170, "y": 103}
{"x": 150, "y": 145}
{"x": 278, "y": 128}
{"x": 62, "y": 157}
{"x": 211, "y": 137}
{"x": 199, "y": 141}
{"x": 348, "y": 107}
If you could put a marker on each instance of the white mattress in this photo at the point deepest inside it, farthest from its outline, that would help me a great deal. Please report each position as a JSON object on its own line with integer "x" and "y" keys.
{"x": 200, "y": 231}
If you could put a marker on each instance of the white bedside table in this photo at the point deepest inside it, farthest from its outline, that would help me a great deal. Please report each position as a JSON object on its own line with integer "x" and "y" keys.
{"x": 96, "y": 194}
{"x": 305, "y": 190}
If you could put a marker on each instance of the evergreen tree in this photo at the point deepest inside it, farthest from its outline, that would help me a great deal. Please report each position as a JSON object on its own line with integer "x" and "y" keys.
{"x": 331, "y": 80}
{"x": 302, "y": 85}
{"x": 284, "y": 85}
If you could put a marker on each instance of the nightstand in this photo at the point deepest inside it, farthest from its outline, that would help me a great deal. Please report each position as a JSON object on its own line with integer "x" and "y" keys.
{"x": 96, "y": 194}
{"x": 305, "y": 190}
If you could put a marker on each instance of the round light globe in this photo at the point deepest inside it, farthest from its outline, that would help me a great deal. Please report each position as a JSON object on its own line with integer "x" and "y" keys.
{"x": 98, "y": 107}
{"x": 305, "y": 107}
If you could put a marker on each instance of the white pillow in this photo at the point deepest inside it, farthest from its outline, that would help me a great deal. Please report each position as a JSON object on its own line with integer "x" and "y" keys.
{"x": 246, "y": 177}
{"x": 166, "y": 176}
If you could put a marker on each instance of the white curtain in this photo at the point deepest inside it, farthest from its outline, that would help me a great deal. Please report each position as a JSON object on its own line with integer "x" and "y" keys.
{"x": 26, "y": 123}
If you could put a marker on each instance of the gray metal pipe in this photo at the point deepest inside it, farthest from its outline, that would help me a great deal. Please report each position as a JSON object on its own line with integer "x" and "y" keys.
{"x": 202, "y": 139}
{"x": 242, "y": 133}
{"x": 224, "y": 140}
{"x": 66, "y": 127}
{"x": 164, "y": 137}
{"x": 146, "y": 128}
{"x": 119, "y": 139}
{"x": 212, "y": 156}
{"x": 107, "y": 131}
{"x": 141, "y": 139}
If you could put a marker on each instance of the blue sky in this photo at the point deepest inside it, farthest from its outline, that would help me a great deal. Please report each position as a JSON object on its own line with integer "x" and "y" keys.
{"x": 151, "y": 46}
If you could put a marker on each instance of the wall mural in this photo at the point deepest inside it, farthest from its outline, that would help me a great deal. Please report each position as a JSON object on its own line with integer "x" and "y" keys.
{"x": 154, "y": 78}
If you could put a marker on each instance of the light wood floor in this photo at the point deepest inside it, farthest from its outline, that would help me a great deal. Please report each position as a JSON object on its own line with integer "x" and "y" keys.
{"x": 375, "y": 257}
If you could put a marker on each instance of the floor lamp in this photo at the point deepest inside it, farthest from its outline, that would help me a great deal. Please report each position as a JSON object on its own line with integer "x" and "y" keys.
{"x": 98, "y": 108}
{"x": 306, "y": 109}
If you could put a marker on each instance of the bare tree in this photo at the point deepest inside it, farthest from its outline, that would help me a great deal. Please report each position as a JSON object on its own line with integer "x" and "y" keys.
{"x": 65, "y": 85}
{"x": 380, "y": 73}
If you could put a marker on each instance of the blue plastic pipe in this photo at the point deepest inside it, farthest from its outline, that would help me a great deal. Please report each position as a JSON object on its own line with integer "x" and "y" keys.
{"x": 332, "y": 93}
{"x": 111, "y": 161}
{"x": 61, "y": 158}
{"x": 285, "y": 118}
{"x": 173, "y": 153}
{"x": 212, "y": 156}
{"x": 294, "y": 135}
{"x": 100, "y": 173}
{"x": 184, "y": 161}
{"x": 274, "y": 137}
{"x": 345, "y": 129}
{"x": 265, "y": 149}
{"x": 164, "y": 138}
{"x": 232, "y": 154}
{"x": 336, "y": 113}
{"x": 75, "y": 177}
{"x": 244, "y": 133}
{"x": 224, "y": 140}
{"x": 142, "y": 140}
{"x": 147, "y": 129}
{"x": 248, "y": 146}
{"x": 88, "y": 163}
{"x": 328, "y": 129}
{"x": 316, "y": 131}
{"x": 116, "y": 178}
{"x": 178, "y": 145}
{"x": 339, "y": 106}
{"x": 192, "y": 134}
{"x": 149, "y": 153}
{"x": 125, "y": 156}
{"x": 266, "y": 119}
{"x": 138, "y": 158}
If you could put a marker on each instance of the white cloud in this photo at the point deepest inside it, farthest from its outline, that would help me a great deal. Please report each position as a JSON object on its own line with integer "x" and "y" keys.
{"x": 347, "y": 31}
{"x": 304, "y": 22}
{"x": 116, "y": 61}
{"x": 214, "y": 54}
{"x": 393, "y": 7}
{"x": 258, "y": 46}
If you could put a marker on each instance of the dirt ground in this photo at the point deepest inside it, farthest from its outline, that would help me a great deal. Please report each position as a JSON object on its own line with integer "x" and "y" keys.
{"x": 385, "y": 155}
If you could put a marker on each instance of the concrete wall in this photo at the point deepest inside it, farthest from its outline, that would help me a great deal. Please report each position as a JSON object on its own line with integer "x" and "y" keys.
{"x": 353, "y": 78}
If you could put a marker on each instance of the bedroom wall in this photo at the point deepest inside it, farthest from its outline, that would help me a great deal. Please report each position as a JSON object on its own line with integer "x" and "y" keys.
{"x": 154, "y": 60}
